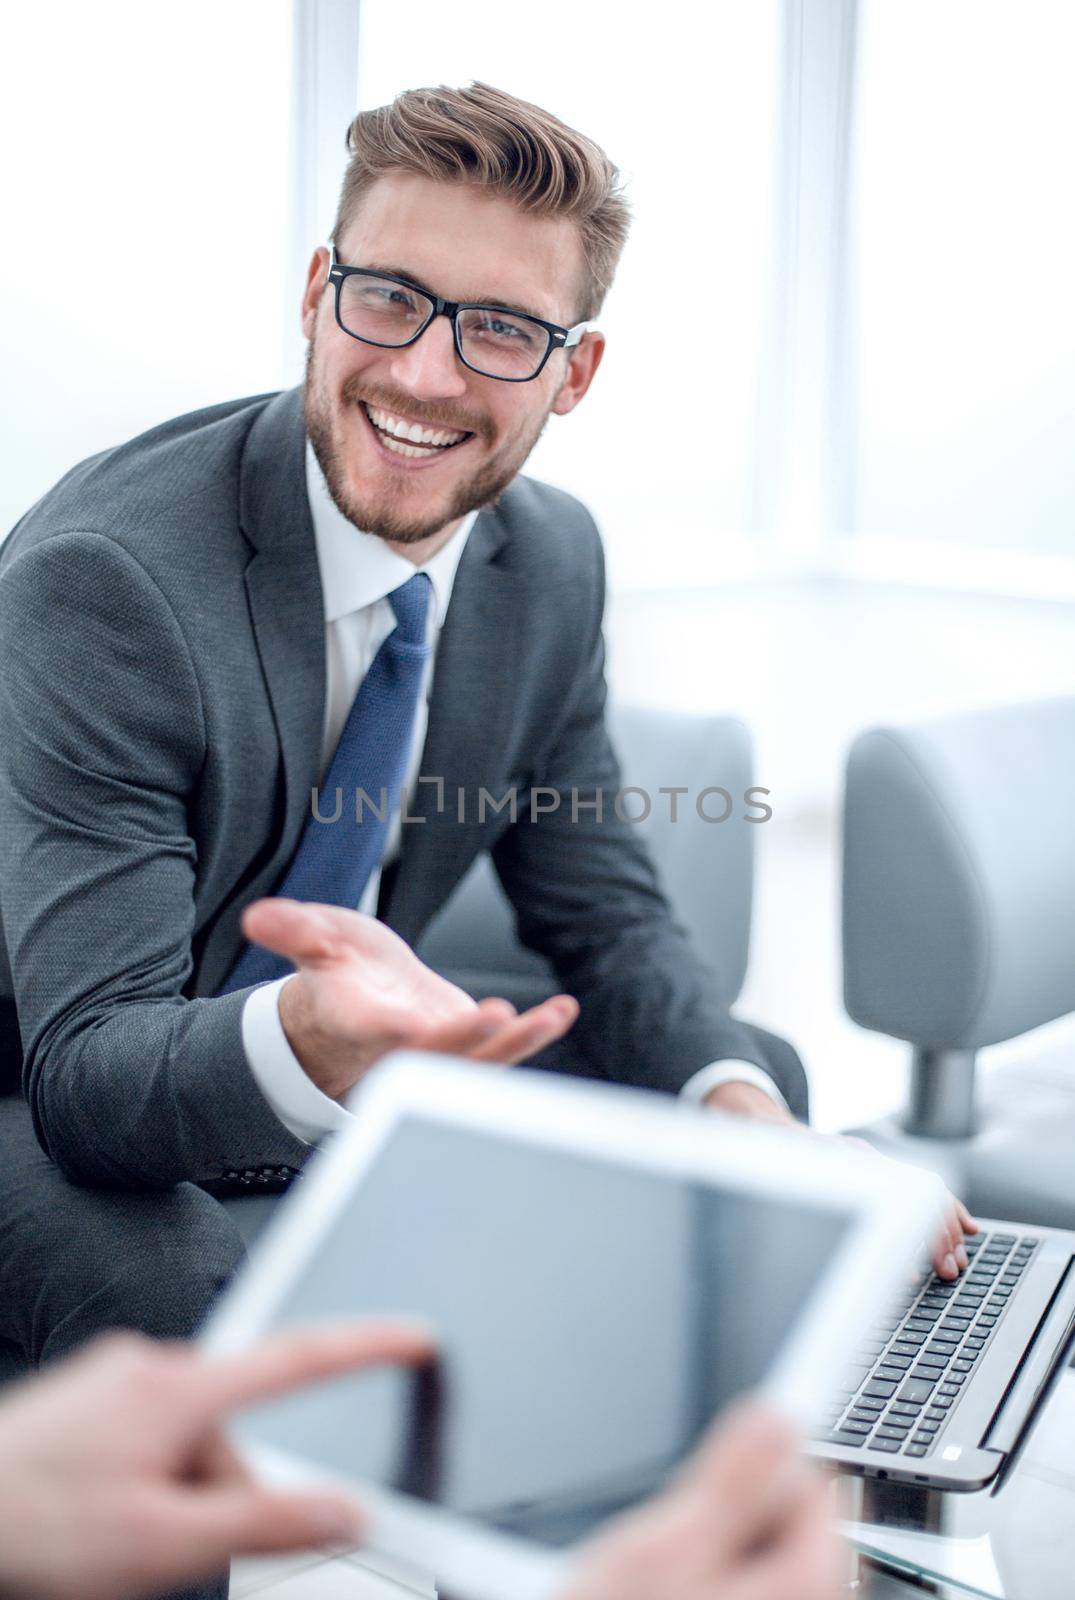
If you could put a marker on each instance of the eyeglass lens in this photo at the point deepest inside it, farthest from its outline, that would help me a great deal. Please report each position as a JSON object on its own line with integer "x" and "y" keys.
{"x": 494, "y": 342}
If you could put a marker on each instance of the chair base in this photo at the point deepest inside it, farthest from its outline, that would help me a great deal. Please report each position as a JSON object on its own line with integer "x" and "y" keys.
{"x": 941, "y": 1104}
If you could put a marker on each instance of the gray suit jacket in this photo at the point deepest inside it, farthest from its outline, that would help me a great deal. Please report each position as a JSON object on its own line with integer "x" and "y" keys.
{"x": 162, "y": 668}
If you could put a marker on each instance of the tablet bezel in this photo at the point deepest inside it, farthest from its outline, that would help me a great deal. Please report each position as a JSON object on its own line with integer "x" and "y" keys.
{"x": 891, "y": 1209}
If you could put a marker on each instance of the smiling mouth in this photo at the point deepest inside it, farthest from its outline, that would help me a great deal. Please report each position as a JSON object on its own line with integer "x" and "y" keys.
{"x": 415, "y": 439}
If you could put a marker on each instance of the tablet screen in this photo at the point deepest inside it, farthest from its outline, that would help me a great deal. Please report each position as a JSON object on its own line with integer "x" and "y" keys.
{"x": 593, "y": 1318}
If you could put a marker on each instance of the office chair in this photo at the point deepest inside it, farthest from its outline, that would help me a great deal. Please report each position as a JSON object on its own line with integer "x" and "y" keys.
{"x": 959, "y": 933}
{"x": 706, "y": 868}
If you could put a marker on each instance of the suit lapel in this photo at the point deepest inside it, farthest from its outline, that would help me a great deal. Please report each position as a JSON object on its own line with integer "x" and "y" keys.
{"x": 283, "y": 587}
{"x": 470, "y": 711}
{"x": 283, "y": 584}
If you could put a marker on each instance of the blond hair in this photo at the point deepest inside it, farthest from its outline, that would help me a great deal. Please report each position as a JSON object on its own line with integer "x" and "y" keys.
{"x": 486, "y": 137}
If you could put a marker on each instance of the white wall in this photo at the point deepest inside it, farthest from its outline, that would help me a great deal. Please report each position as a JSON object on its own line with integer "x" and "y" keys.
{"x": 809, "y": 662}
{"x": 146, "y": 213}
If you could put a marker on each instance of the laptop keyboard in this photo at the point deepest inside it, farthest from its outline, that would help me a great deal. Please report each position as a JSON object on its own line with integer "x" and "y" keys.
{"x": 907, "y": 1375}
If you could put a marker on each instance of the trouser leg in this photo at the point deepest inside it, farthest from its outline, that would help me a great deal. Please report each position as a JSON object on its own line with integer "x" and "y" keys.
{"x": 75, "y": 1262}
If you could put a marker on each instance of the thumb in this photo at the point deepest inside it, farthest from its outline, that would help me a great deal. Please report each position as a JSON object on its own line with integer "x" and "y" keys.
{"x": 803, "y": 1560}
{"x": 261, "y": 1520}
{"x": 292, "y": 928}
{"x": 749, "y": 1467}
{"x": 249, "y": 1520}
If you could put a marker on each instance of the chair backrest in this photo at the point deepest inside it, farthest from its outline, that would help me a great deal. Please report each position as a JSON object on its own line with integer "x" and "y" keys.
{"x": 959, "y": 876}
{"x": 706, "y": 867}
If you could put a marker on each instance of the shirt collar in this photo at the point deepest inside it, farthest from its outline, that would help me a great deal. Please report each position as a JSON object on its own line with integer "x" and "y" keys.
{"x": 358, "y": 569}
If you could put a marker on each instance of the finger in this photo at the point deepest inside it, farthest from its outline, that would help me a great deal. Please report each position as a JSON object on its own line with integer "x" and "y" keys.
{"x": 944, "y": 1247}
{"x": 943, "y": 1262}
{"x": 803, "y": 1558}
{"x": 749, "y": 1466}
{"x": 967, "y": 1222}
{"x": 955, "y": 1235}
{"x": 531, "y": 1032}
{"x": 262, "y": 1522}
{"x": 302, "y": 933}
{"x": 496, "y": 1010}
{"x": 220, "y": 1384}
{"x": 196, "y": 1532}
{"x": 383, "y": 1026}
{"x": 461, "y": 1035}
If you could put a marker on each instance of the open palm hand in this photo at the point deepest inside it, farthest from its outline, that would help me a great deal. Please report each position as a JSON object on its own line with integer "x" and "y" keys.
{"x": 360, "y": 991}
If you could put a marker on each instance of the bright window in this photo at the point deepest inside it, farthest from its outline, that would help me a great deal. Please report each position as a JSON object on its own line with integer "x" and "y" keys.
{"x": 963, "y": 345}
{"x": 663, "y": 447}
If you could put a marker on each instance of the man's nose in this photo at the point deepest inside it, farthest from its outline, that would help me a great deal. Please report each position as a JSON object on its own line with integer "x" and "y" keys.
{"x": 430, "y": 369}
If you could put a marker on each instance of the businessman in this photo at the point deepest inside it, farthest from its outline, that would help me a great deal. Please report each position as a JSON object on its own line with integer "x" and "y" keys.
{"x": 211, "y": 632}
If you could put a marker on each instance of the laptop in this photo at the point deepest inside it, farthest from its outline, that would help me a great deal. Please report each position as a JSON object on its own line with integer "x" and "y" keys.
{"x": 943, "y": 1389}
{"x": 605, "y": 1269}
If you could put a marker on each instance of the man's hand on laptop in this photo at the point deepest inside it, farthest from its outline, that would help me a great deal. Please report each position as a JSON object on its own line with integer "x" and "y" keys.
{"x": 746, "y": 1520}
{"x": 360, "y": 991}
{"x": 948, "y": 1255}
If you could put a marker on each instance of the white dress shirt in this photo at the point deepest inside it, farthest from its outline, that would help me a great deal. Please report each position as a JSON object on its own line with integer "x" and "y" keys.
{"x": 358, "y": 572}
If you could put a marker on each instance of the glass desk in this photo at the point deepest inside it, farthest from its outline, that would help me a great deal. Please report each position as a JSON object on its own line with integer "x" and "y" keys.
{"x": 1015, "y": 1544}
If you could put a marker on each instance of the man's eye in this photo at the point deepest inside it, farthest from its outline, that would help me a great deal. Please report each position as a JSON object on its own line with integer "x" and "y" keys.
{"x": 510, "y": 332}
{"x": 385, "y": 297}
{"x": 394, "y": 297}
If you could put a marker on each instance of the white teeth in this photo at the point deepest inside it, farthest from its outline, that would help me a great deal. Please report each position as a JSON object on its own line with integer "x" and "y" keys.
{"x": 387, "y": 423}
{"x": 400, "y": 449}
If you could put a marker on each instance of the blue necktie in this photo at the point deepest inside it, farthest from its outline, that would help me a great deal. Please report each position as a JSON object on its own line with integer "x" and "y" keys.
{"x": 335, "y": 858}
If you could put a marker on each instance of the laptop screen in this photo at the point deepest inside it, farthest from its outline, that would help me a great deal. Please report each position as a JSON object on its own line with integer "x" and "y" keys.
{"x": 593, "y": 1318}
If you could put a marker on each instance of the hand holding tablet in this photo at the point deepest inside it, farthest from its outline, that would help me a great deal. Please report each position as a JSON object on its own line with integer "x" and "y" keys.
{"x": 744, "y": 1518}
{"x": 116, "y": 1478}
{"x": 588, "y": 1257}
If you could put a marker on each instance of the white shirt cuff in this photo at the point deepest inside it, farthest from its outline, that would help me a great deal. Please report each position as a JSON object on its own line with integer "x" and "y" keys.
{"x": 294, "y": 1097}
{"x": 718, "y": 1072}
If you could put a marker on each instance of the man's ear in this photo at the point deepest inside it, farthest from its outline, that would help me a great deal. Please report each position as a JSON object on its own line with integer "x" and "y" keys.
{"x": 582, "y": 363}
{"x": 316, "y": 278}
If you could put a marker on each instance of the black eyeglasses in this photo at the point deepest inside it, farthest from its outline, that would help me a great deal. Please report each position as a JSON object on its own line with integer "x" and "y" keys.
{"x": 384, "y": 310}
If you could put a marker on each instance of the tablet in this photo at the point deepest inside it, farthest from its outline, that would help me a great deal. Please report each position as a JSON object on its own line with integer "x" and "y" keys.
{"x": 605, "y": 1269}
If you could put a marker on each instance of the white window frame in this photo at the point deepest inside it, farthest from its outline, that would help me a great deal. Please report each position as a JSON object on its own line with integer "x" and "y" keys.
{"x": 324, "y": 99}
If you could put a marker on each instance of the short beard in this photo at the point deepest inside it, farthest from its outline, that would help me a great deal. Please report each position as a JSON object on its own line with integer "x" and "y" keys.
{"x": 483, "y": 488}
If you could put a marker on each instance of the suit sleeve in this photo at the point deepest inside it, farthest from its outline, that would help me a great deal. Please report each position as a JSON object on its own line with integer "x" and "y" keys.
{"x": 102, "y": 741}
{"x": 586, "y": 897}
